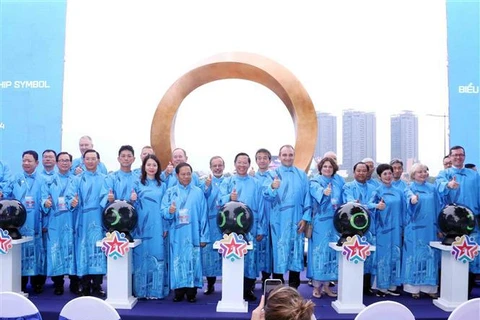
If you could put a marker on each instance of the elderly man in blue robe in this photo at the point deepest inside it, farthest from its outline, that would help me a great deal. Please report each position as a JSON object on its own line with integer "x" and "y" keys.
{"x": 78, "y": 165}
{"x": 244, "y": 188}
{"x": 291, "y": 210}
{"x": 185, "y": 206}
{"x": 168, "y": 175}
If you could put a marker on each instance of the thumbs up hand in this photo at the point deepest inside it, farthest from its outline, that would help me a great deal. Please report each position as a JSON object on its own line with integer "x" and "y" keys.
{"x": 251, "y": 173}
{"x": 276, "y": 183}
{"x": 169, "y": 168}
{"x": 381, "y": 205}
{"x": 111, "y": 197}
{"x": 328, "y": 190}
{"x": 133, "y": 196}
{"x": 208, "y": 181}
{"x": 453, "y": 184}
{"x": 233, "y": 195}
{"x": 172, "y": 208}
{"x": 75, "y": 201}
{"x": 48, "y": 202}
{"x": 414, "y": 199}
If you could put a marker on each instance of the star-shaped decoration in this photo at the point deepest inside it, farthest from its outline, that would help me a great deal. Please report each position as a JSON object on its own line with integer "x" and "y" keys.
{"x": 232, "y": 246}
{"x": 356, "y": 249}
{"x": 115, "y": 245}
{"x": 5, "y": 241}
{"x": 464, "y": 249}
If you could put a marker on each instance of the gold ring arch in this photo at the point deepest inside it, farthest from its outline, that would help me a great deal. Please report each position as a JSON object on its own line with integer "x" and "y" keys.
{"x": 246, "y": 66}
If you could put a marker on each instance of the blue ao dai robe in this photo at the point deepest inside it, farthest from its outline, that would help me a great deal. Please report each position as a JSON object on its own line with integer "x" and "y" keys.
{"x": 355, "y": 191}
{"x": 388, "y": 236}
{"x": 419, "y": 260}
{"x": 211, "y": 259}
{"x": 322, "y": 260}
{"x": 78, "y": 162}
{"x": 121, "y": 183}
{"x": 150, "y": 274}
{"x": 291, "y": 202}
{"x": 90, "y": 259}
{"x": 58, "y": 220}
{"x": 26, "y": 188}
{"x": 248, "y": 192}
{"x": 187, "y": 230}
{"x": 468, "y": 194}
{"x": 264, "y": 247}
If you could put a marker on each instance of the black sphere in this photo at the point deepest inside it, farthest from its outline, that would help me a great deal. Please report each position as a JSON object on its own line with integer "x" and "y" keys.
{"x": 454, "y": 221}
{"x": 235, "y": 217}
{"x": 351, "y": 219}
{"x": 121, "y": 216}
{"x": 12, "y": 217}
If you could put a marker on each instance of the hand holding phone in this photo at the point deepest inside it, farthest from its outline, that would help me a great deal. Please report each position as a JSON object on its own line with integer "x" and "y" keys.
{"x": 269, "y": 285}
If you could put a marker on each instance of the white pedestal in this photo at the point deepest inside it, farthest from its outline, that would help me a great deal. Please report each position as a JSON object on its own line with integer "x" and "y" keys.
{"x": 454, "y": 279}
{"x": 232, "y": 284}
{"x": 119, "y": 279}
{"x": 11, "y": 267}
{"x": 350, "y": 283}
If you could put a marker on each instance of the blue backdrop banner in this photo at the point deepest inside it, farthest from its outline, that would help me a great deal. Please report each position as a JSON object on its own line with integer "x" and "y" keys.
{"x": 463, "y": 35}
{"x": 32, "y": 38}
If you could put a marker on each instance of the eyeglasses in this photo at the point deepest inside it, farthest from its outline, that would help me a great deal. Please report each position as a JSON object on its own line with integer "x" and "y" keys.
{"x": 64, "y": 160}
{"x": 458, "y": 155}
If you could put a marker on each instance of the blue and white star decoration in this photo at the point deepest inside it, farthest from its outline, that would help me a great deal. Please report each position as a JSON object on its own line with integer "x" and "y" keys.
{"x": 115, "y": 245}
{"x": 464, "y": 249}
{"x": 5, "y": 241}
{"x": 233, "y": 246}
{"x": 356, "y": 249}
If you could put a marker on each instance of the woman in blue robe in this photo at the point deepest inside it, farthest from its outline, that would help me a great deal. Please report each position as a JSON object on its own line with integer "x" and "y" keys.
{"x": 420, "y": 261}
{"x": 150, "y": 274}
{"x": 326, "y": 195}
{"x": 185, "y": 206}
{"x": 389, "y": 205}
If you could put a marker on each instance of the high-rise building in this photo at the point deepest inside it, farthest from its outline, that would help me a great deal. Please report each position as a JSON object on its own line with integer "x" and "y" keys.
{"x": 404, "y": 138}
{"x": 359, "y": 137}
{"x": 327, "y": 134}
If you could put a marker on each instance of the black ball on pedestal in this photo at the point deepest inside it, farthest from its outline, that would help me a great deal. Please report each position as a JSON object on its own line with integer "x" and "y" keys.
{"x": 12, "y": 217}
{"x": 121, "y": 216}
{"x": 351, "y": 219}
{"x": 455, "y": 220}
{"x": 235, "y": 217}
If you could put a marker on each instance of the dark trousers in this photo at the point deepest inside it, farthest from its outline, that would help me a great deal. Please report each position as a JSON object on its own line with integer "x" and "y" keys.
{"x": 248, "y": 284}
{"x": 38, "y": 280}
{"x": 92, "y": 281}
{"x": 211, "y": 281}
{"x": 293, "y": 278}
{"x": 74, "y": 281}
{"x": 58, "y": 281}
{"x": 190, "y": 292}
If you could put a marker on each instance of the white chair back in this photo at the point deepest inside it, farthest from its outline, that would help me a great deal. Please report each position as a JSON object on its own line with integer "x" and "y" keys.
{"x": 88, "y": 308}
{"x": 468, "y": 310}
{"x": 15, "y": 305}
{"x": 390, "y": 310}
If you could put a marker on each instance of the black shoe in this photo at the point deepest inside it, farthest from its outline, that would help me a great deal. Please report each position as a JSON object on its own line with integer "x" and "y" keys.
{"x": 394, "y": 293}
{"x": 368, "y": 292}
{"x": 249, "y": 296}
{"x": 86, "y": 291}
{"x": 192, "y": 299}
{"x": 209, "y": 290}
{"x": 58, "y": 291}
{"x": 98, "y": 292}
{"x": 294, "y": 285}
{"x": 75, "y": 290}
{"x": 380, "y": 294}
{"x": 38, "y": 288}
{"x": 178, "y": 298}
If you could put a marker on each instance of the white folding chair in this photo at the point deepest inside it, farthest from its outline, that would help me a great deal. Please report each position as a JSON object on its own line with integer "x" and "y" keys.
{"x": 390, "y": 310}
{"x": 88, "y": 308}
{"x": 468, "y": 310}
{"x": 14, "y": 305}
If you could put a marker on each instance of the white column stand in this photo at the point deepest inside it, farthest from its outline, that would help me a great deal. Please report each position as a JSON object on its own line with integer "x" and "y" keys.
{"x": 11, "y": 267}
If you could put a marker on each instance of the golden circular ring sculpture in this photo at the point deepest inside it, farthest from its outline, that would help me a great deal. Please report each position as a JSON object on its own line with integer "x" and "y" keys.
{"x": 246, "y": 66}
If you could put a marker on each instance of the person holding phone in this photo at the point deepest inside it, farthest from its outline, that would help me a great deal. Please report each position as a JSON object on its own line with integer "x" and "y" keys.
{"x": 284, "y": 303}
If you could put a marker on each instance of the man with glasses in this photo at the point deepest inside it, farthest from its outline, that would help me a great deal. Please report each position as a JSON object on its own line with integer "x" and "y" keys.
{"x": 462, "y": 186}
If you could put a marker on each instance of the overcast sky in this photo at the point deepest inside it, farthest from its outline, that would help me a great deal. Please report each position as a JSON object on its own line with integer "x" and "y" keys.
{"x": 122, "y": 56}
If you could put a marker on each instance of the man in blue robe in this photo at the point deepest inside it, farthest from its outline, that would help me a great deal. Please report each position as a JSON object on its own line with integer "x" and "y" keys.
{"x": 462, "y": 186}
{"x": 91, "y": 261}
{"x": 211, "y": 259}
{"x": 291, "y": 210}
{"x": 397, "y": 182}
{"x": 168, "y": 175}
{"x": 59, "y": 201}
{"x": 49, "y": 161}
{"x": 119, "y": 185}
{"x": 78, "y": 165}
{"x": 246, "y": 189}
{"x": 25, "y": 187}
{"x": 185, "y": 206}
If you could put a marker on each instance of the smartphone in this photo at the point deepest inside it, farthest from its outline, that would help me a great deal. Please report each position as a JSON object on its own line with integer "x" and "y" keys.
{"x": 269, "y": 285}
